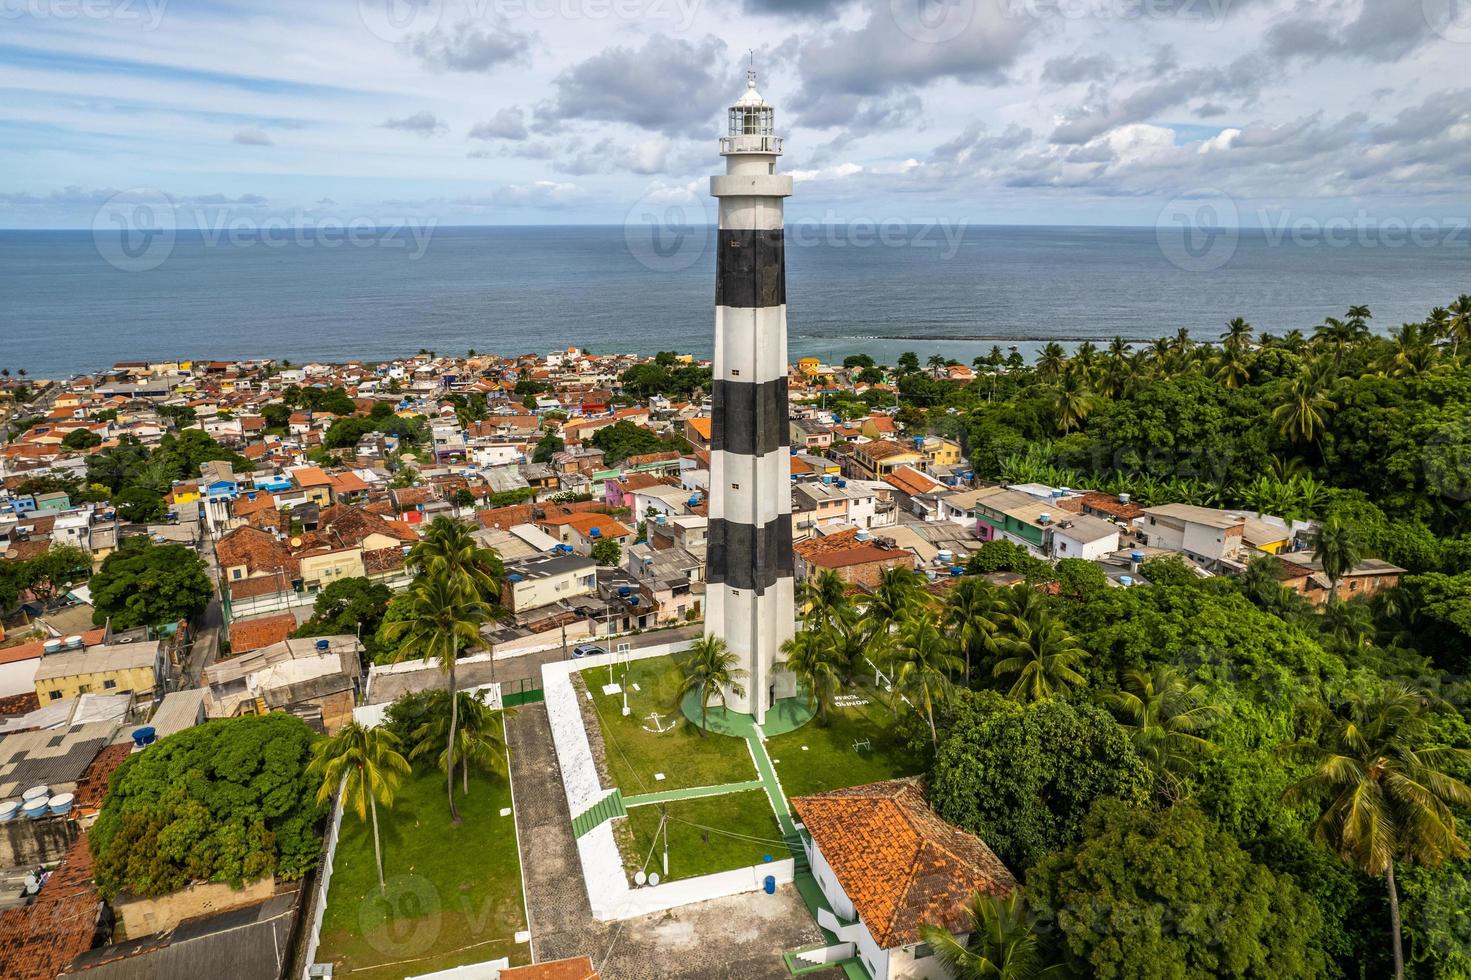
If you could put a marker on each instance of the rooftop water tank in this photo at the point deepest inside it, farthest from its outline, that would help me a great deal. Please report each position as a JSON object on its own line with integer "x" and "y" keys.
{"x": 625, "y": 591}
{"x": 842, "y": 484}
{"x": 75, "y": 643}
{"x": 596, "y": 532}
{"x": 60, "y": 805}
{"x": 945, "y": 555}
{"x": 694, "y": 501}
{"x": 52, "y": 646}
{"x": 827, "y": 479}
{"x": 1044, "y": 518}
{"x": 515, "y": 578}
{"x": 36, "y": 793}
{"x": 1136, "y": 556}
{"x": 1123, "y": 498}
{"x": 35, "y": 809}
{"x": 661, "y": 519}
{"x": 145, "y": 736}
{"x": 8, "y": 810}
{"x": 863, "y": 535}
{"x": 1126, "y": 580}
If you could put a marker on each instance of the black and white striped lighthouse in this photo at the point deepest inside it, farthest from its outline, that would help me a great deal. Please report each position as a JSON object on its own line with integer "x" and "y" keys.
{"x": 750, "y": 600}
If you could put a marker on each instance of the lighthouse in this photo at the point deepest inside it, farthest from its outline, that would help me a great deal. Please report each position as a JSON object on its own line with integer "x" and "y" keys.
{"x": 750, "y": 599}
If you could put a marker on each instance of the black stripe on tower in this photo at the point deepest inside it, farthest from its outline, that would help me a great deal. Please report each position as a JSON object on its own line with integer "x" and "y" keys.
{"x": 746, "y": 557}
{"x": 749, "y": 419}
{"x": 750, "y": 268}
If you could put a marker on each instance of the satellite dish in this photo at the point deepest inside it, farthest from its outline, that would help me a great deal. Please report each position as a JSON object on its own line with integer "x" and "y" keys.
{"x": 296, "y": 542}
{"x": 639, "y": 878}
{"x": 653, "y": 878}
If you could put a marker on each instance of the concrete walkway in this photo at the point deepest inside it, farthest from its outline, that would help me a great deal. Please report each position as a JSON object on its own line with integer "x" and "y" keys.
{"x": 737, "y": 938}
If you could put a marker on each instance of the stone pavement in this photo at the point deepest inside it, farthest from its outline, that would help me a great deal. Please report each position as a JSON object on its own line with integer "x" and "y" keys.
{"x": 736, "y": 938}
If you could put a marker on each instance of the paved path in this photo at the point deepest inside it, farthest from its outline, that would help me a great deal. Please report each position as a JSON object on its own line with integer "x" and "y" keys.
{"x": 737, "y": 938}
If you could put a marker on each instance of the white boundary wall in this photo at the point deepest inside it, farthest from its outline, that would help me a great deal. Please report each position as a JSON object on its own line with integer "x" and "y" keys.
{"x": 319, "y": 907}
{"x": 608, "y": 891}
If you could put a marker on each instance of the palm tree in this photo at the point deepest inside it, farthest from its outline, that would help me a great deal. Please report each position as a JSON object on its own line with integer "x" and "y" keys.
{"x": 365, "y": 762}
{"x": 1336, "y": 550}
{"x": 1233, "y": 367}
{"x": 441, "y": 622}
{"x": 1304, "y": 414}
{"x": 710, "y": 671}
{"x": 973, "y": 611}
{"x": 1001, "y": 945}
{"x": 1458, "y": 324}
{"x": 479, "y": 737}
{"x": 1050, "y": 362}
{"x": 1164, "y": 714}
{"x": 1384, "y": 798}
{"x": 1350, "y": 624}
{"x": 897, "y": 594}
{"x": 936, "y": 364}
{"x": 1040, "y": 651}
{"x": 921, "y": 662}
{"x": 1237, "y": 336}
{"x": 1072, "y": 403}
{"x": 818, "y": 664}
{"x": 824, "y": 596}
{"x": 447, "y": 547}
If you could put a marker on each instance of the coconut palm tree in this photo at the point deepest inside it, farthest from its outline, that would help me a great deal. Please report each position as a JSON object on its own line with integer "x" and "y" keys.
{"x": 1038, "y": 649}
{"x": 1001, "y": 943}
{"x": 897, "y": 594}
{"x": 479, "y": 737}
{"x": 1073, "y": 402}
{"x": 1233, "y": 366}
{"x": 1237, "y": 336}
{"x": 1336, "y": 550}
{"x": 441, "y": 622}
{"x": 1458, "y": 324}
{"x": 365, "y": 762}
{"x": 921, "y": 661}
{"x": 1383, "y": 793}
{"x": 1304, "y": 414}
{"x": 1164, "y": 715}
{"x": 710, "y": 670}
{"x": 973, "y": 612}
{"x": 1050, "y": 362}
{"x": 936, "y": 365}
{"x": 447, "y": 547}
{"x": 819, "y": 664}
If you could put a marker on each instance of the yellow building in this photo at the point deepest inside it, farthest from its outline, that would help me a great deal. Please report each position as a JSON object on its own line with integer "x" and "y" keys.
{"x": 110, "y": 668}
{"x": 320, "y": 569}
{"x": 942, "y": 452}
{"x": 809, "y": 365}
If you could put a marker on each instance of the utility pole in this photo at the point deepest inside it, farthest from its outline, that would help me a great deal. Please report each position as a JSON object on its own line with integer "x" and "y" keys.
{"x": 664, "y": 825}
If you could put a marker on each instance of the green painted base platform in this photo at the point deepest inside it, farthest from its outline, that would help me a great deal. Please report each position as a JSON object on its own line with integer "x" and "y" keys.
{"x": 787, "y": 715}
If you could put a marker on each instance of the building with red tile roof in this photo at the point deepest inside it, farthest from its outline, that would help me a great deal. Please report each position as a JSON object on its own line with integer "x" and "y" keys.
{"x": 580, "y": 968}
{"x": 255, "y": 634}
{"x": 41, "y": 939}
{"x": 887, "y": 864}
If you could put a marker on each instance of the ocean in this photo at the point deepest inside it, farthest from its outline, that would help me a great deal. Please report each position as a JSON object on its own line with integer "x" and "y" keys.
{"x": 72, "y": 302}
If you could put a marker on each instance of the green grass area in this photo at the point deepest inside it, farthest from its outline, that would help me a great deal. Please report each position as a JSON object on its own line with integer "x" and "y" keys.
{"x": 635, "y": 752}
{"x": 454, "y": 893}
{"x": 700, "y": 841}
{"x": 831, "y": 762}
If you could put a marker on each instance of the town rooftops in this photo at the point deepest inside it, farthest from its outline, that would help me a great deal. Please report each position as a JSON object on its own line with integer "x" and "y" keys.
{"x": 900, "y": 864}
{"x": 859, "y": 554}
{"x": 253, "y": 634}
{"x": 1192, "y": 514}
{"x": 103, "y": 657}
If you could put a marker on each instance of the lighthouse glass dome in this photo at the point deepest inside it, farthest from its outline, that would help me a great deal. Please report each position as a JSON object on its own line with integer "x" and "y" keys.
{"x": 749, "y": 120}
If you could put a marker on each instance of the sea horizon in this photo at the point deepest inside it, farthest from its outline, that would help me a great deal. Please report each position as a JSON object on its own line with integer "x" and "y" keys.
{"x": 72, "y": 301}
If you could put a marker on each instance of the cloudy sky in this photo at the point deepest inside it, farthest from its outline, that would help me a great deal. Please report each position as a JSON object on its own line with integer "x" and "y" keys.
{"x": 584, "y": 111}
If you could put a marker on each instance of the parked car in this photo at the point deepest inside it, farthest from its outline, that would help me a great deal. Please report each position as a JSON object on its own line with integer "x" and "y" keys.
{"x": 587, "y": 650}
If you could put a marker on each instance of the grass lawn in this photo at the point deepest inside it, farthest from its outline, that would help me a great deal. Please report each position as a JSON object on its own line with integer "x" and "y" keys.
{"x": 454, "y": 893}
{"x": 831, "y": 762}
{"x": 694, "y": 851}
{"x": 635, "y": 753}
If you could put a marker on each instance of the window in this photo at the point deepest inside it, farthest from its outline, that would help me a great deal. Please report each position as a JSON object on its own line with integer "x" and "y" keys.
{"x": 923, "y": 951}
{"x": 83, "y": 688}
{"x": 55, "y": 695}
{"x": 735, "y": 486}
{"x": 735, "y": 372}
{"x": 235, "y": 573}
{"x": 108, "y": 685}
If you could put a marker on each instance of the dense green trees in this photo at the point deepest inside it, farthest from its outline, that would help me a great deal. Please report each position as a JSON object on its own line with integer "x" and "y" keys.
{"x": 147, "y": 584}
{"x": 1163, "y": 893}
{"x": 623, "y": 439}
{"x": 229, "y": 800}
{"x": 1023, "y": 776}
{"x": 348, "y": 606}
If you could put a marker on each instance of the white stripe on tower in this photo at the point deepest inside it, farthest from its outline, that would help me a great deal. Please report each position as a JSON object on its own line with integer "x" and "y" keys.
{"x": 750, "y": 601}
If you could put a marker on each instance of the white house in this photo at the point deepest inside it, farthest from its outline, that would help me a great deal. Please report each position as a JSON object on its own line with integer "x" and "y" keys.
{"x": 1081, "y": 536}
{"x": 887, "y": 864}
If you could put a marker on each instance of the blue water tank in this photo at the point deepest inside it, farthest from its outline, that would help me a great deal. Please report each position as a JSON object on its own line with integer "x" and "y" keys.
{"x": 596, "y": 532}
{"x": 1136, "y": 556}
{"x": 769, "y": 884}
{"x": 625, "y": 590}
{"x": 957, "y": 569}
{"x": 145, "y": 736}
{"x": 323, "y": 646}
{"x": 1126, "y": 580}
